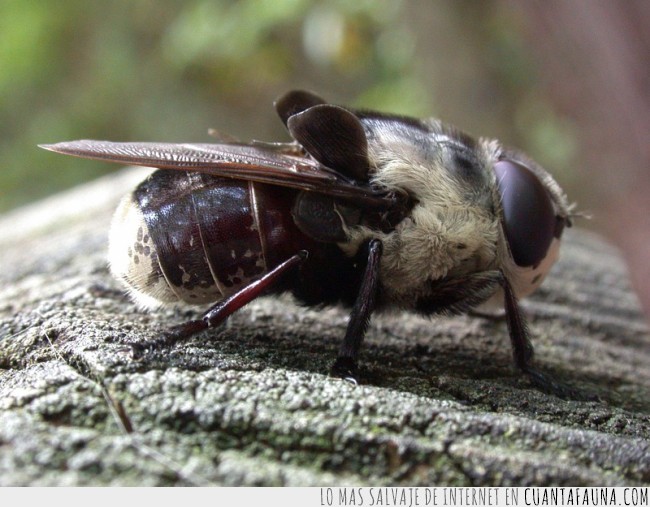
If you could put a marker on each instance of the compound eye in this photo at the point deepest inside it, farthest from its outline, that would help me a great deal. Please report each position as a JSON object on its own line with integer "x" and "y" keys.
{"x": 528, "y": 215}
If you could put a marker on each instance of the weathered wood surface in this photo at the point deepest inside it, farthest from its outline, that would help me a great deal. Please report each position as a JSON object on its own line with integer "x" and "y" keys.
{"x": 251, "y": 403}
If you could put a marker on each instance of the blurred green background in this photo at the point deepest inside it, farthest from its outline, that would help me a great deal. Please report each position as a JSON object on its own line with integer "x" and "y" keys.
{"x": 566, "y": 81}
{"x": 169, "y": 71}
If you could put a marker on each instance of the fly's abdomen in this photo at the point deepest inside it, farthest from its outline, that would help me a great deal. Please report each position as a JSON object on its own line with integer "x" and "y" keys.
{"x": 185, "y": 236}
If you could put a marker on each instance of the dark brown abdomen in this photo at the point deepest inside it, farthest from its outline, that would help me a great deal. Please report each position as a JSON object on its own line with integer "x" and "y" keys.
{"x": 215, "y": 235}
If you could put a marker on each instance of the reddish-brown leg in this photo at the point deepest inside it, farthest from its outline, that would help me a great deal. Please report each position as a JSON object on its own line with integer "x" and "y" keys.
{"x": 222, "y": 310}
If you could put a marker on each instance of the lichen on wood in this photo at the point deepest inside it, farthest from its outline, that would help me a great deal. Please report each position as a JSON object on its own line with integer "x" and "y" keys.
{"x": 251, "y": 403}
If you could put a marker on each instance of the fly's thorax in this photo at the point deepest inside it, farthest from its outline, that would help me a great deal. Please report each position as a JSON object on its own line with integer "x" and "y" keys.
{"x": 452, "y": 228}
{"x": 429, "y": 245}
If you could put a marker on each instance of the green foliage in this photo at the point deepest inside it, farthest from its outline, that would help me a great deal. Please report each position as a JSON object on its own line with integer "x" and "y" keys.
{"x": 170, "y": 70}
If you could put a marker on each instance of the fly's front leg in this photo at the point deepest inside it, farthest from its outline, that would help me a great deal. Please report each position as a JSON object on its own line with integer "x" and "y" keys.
{"x": 522, "y": 349}
{"x": 222, "y": 310}
{"x": 345, "y": 365}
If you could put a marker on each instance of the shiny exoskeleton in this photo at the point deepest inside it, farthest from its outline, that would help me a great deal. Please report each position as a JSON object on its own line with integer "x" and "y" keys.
{"x": 362, "y": 208}
{"x": 190, "y": 237}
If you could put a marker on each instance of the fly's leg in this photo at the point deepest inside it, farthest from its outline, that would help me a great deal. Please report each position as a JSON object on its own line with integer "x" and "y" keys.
{"x": 222, "y": 310}
{"x": 522, "y": 349}
{"x": 345, "y": 365}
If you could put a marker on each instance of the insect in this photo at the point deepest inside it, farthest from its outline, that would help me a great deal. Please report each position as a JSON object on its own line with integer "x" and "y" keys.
{"x": 365, "y": 209}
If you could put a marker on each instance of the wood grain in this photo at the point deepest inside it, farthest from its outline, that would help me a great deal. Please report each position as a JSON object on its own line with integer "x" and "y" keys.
{"x": 251, "y": 403}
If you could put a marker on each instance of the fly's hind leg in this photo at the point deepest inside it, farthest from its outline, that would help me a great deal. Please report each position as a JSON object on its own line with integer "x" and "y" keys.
{"x": 221, "y": 310}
